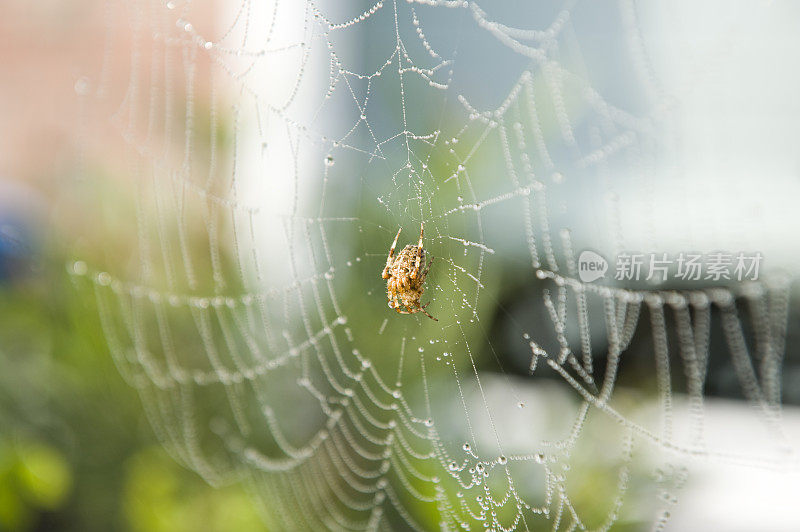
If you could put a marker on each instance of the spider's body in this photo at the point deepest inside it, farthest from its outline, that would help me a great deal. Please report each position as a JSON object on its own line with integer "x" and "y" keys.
{"x": 406, "y": 276}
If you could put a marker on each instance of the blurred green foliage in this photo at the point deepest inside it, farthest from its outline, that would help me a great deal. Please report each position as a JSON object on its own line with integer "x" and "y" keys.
{"x": 157, "y": 497}
{"x": 76, "y": 452}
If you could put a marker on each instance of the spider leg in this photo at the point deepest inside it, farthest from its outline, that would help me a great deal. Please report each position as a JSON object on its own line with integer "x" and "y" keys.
{"x": 397, "y": 307}
{"x": 391, "y": 291}
{"x": 393, "y": 302}
{"x": 385, "y": 274}
{"x": 428, "y": 267}
{"x": 394, "y": 244}
{"x": 422, "y": 309}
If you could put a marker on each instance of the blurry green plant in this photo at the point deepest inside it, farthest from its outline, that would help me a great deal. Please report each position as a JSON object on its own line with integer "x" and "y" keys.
{"x": 157, "y": 497}
{"x": 34, "y": 476}
{"x": 76, "y": 452}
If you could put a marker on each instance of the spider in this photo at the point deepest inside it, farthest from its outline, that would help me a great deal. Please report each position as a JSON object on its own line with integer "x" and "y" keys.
{"x": 406, "y": 277}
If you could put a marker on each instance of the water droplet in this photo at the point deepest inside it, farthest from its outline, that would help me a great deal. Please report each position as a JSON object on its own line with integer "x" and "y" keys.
{"x": 363, "y": 116}
{"x": 82, "y": 86}
{"x": 466, "y": 447}
{"x": 541, "y": 274}
{"x": 453, "y": 466}
{"x": 329, "y": 160}
{"x": 539, "y": 458}
{"x": 79, "y": 267}
{"x": 208, "y": 45}
{"x": 502, "y": 460}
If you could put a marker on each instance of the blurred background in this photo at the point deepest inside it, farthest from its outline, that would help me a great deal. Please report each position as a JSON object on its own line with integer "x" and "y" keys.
{"x": 76, "y": 452}
{"x": 196, "y": 202}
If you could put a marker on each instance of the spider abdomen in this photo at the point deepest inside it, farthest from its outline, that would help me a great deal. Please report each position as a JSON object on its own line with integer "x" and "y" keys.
{"x": 405, "y": 274}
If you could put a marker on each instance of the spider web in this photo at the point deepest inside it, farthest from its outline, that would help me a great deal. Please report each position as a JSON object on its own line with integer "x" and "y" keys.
{"x": 273, "y": 150}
